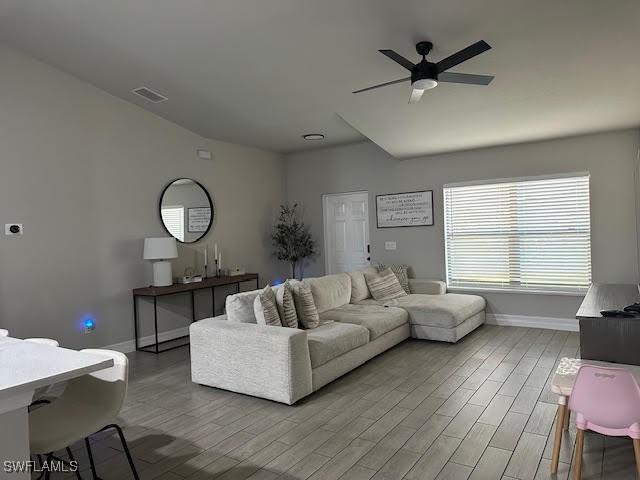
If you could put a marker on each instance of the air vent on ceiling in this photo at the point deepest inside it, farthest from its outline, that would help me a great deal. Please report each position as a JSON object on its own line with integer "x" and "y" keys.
{"x": 149, "y": 94}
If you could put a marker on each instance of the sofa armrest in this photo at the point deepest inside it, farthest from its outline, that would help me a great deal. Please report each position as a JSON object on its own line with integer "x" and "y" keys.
{"x": 267, "y": 362}
{"x": 429, "y": 287}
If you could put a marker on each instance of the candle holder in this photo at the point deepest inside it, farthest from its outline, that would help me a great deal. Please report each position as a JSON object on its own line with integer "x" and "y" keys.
{"x": 217, "y": 269}
{"x": 206, "y": 271}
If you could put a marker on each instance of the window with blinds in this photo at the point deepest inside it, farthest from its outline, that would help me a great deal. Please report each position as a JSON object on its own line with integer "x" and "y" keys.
{"x": 530, "y": 234}
{"x": 173, "y": 219}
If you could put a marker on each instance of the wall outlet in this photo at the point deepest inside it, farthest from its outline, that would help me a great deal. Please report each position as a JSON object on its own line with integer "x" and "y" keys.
{"x": 390, "y": 245}
{"x": 13, "y": 229}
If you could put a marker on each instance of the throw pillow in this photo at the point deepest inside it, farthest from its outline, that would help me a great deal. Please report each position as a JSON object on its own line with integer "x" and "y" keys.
{"x": 359, "y": 289}
{"x": 264, "y": 308}
{"x": 401, "y": 273}
{"x": 384, "y": 285}
{"x": 239, "y": 307}
{"x": 286, "y": 306}
{"x": 305, "y": 306}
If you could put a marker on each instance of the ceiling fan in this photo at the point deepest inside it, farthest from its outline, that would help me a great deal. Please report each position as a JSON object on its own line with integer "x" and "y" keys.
{"x": 425, "y": 75}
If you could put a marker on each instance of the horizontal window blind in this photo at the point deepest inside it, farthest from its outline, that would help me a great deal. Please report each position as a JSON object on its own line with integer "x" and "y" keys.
{"x": 527, "y": 234}
{"x": 173, "y": 219}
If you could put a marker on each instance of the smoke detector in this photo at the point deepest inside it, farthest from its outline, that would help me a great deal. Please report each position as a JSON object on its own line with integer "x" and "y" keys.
{"x": 148, "y": 94}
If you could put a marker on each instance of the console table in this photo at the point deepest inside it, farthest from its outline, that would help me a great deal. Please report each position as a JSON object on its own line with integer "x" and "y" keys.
{"x": 155, "y": 292}
{"x": 609, "y": 339}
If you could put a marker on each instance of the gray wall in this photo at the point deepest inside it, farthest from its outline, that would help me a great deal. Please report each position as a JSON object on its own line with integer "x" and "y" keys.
{"x": 83, "y": 171}
{"x": 610, "y": 157}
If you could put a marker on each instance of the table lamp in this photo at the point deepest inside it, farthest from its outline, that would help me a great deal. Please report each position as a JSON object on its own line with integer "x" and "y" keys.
{"x": 159, "y": 250}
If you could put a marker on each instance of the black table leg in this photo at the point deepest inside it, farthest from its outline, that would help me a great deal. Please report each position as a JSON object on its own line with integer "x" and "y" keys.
{"x": 135, "y": 319}
{"x": 213, "y": 302}
{"x": 155, "y": 322}
{"x": 193, "y": 306}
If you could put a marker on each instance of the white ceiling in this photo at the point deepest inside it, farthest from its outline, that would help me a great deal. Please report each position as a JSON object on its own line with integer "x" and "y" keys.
{"x": 263, "y": 73}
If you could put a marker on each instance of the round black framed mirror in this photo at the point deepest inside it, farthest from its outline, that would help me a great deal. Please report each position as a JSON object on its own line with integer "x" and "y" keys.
{"x": 186, "y": 210}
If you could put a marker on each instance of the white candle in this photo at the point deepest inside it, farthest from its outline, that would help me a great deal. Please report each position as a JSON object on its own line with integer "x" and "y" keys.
{"x": 205, "y": 257}
{"x": 215, "y": 251}
{"x": 220, "y": 260}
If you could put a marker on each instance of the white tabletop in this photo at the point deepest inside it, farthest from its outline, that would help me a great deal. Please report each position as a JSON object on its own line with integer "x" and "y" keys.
{"x": 565, "y": 376}
{"x": 27, "y": 365}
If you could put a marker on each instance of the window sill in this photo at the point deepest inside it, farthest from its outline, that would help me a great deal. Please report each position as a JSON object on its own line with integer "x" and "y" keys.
{"x": 518, "y": 291}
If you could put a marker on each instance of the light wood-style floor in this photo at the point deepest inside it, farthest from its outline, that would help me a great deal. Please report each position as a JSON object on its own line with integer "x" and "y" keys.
{"x": 480, "y": 409}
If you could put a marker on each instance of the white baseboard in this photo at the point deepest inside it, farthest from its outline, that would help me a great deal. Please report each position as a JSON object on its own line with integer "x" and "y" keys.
{"x": 552, "y": 323}
{"x": 130, "y": 345}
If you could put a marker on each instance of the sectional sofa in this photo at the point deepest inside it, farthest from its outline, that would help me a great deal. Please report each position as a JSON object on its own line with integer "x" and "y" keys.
{"x": 287, "y": 364}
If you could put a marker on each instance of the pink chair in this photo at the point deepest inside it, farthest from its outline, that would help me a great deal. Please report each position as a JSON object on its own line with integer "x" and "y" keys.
{"x": 605, "y": 400}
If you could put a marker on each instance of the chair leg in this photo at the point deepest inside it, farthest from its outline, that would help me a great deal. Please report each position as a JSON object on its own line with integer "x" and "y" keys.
{"x": 47, "y": 475}
{"x": 72, "y": 459}
{"x": 636, "y": 450}
{"x": 93, "y": 465}
{"x": 41, "y": 464}
{"x": 126, "y": 449}
{"x": 557, "y": 441}
{"x": 577, "y": 463}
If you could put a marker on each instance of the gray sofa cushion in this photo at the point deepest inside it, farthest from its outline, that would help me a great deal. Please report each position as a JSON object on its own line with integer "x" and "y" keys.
{"x": 359, "y": 289}
{"x": 331, "y": 340}
{"x": 330, "y": 291}
{"x": 371, "y": 301}
{"x": 429, "y": 287}
{"x": 375, "y": 318}
{"x": 447, "y": 311}
{"x": 452, "y": 335}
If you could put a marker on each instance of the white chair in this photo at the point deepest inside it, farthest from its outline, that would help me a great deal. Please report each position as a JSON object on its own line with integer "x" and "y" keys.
{"x": 89, "y": 404}
{"x": 43, "y": 341}
{"x": 4, "y": 333}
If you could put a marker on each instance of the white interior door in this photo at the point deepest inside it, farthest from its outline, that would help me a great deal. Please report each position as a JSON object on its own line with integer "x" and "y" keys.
{"x": 346, "y": 231}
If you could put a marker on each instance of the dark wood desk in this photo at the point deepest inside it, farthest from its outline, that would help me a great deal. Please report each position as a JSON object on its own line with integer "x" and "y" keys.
{"x": 609, "y": 339}
{"x": 155, "y": 292}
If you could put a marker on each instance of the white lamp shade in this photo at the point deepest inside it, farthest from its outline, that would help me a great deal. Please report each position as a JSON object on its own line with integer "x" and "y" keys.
{"x": 160, "y": 248}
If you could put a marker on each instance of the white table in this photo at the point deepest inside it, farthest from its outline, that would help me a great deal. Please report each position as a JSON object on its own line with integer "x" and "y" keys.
{"x": 24, "y": 367}
{"x": 562, "y": 385}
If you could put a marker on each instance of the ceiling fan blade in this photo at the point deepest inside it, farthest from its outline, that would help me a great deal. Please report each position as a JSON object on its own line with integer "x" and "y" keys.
{"x": 469, "y": 78}
{"x": 416, "y": 95}
{"x": 396, "y": 57}
{"x": 463, "y": 55}
{"x": 383, "y": 85}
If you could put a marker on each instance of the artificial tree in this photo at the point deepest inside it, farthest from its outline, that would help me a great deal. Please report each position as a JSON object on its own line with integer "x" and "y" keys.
{"x": 291, "y": 238}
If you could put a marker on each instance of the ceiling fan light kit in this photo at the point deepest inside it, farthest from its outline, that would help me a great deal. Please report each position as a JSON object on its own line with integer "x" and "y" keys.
{"x": 424, "y": 84}
{"x": 425, "y": 75}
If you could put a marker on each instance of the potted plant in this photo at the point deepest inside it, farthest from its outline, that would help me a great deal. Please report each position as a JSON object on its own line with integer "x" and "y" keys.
{"x": 292, "y": 240}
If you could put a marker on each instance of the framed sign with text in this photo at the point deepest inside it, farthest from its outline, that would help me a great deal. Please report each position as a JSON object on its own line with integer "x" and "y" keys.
{"x": 198, "y": 219}
{"x": 408, "y": 209}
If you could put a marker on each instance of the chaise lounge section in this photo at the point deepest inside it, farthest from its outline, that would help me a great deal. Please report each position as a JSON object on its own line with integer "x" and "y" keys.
{"x": 286, "y": 364}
